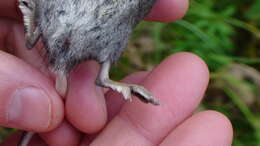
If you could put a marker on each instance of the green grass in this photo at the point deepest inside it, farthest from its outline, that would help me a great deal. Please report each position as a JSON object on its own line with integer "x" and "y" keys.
{"x": 226, "y": 34}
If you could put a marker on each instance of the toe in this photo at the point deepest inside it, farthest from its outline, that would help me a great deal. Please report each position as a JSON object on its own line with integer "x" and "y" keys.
{"x": 127, "y": 93}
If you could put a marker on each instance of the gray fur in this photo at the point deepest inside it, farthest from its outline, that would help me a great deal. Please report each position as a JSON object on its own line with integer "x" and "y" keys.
{"x": 77, "y": 30}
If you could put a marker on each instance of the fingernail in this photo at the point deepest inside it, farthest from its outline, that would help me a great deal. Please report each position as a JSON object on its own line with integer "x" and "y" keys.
{"x": 29, "y": 108}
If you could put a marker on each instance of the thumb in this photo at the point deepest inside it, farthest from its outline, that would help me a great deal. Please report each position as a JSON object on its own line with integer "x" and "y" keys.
{"x": 28, "y": 100}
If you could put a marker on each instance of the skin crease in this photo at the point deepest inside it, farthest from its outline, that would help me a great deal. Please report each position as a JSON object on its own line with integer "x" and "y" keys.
{"x": 176, "y": 127}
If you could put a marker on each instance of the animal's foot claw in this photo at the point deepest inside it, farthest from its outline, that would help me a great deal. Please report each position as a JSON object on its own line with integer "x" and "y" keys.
{"x": 126, "y": 92}
{"x": 139, "y": 91}
{"x": 144, "y": 95}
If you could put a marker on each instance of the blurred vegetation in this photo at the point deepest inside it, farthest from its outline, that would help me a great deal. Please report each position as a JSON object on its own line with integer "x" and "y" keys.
{"x": 226, "y": 34}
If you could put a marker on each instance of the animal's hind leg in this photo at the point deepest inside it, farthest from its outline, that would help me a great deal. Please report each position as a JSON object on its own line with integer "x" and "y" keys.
{"x": 32, "y": 32}
{"x": 126, "y": 89}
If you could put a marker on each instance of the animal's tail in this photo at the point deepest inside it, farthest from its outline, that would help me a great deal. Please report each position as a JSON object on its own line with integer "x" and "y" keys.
{"x": 25, "y": 138}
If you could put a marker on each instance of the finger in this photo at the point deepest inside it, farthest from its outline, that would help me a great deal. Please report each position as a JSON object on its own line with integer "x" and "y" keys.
{"x": 4, "y": 31}
{"x": 203, "y": 129}
{"x": 15, "y": 41}
{"x": 12, "y": 40}
{"x": 85, "y": 104}
{"x": 9, "y": 8}
{"x": 168, "y": 10}
{"x": 114, "y": 102}
{"x": 64, "y": 135}
{"x": 14, "y": 138}
{"x": 27, "y": 98}
{"x": 179, "y": 82}
{"x": 31, "y": 56}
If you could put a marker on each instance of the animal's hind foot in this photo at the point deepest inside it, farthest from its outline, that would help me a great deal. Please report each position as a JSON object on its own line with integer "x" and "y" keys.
{"x": 127, "y": 90}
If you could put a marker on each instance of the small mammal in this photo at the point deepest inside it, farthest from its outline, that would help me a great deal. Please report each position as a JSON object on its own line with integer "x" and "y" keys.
{"x": 74, "y": 31}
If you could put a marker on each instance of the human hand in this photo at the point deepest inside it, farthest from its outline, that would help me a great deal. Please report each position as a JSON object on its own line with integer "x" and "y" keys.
{"x": 179, "y": 82}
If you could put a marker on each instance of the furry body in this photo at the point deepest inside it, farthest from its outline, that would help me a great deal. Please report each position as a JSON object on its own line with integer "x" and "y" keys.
{"x": 77, "y": 30}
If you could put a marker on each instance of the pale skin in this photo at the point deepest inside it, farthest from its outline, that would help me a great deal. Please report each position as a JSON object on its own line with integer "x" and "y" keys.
{"x": 179, "y": 82}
